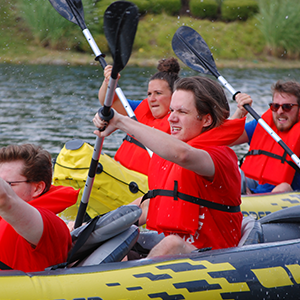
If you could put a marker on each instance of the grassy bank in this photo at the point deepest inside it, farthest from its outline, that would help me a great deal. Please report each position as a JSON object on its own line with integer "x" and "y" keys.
{"x": 235, "y": 44}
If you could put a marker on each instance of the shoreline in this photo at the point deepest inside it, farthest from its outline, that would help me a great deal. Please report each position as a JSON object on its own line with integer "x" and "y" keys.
{"x": 76, "y": 59}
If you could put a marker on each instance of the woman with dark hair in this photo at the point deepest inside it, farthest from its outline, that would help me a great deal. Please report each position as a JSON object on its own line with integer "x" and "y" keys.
{"x": 193, "y": 177}
{"x": 152, "y": 111}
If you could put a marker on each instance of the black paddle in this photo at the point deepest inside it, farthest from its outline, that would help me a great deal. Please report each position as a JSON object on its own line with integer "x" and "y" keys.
{"x": 192, "y": 50}
{"x": 120, "y": 21}
{"x": 72, "y": 10}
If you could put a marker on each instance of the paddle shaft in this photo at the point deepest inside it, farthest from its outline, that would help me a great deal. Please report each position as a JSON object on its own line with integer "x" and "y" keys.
{"x": 196, "y": 50}
{"x": 96, "y": 155}
{"x": 261, "y": 121}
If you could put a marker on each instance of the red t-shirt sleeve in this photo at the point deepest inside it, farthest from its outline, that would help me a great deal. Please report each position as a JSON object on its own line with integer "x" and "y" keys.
{"x": 56, "y": 241}
{"x": 52, "y": 248}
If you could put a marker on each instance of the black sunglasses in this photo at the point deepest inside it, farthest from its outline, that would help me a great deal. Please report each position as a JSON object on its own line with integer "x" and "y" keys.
{"x": 286, "y": 107}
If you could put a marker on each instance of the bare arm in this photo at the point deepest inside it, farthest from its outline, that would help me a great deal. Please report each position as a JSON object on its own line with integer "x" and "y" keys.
{"x": 117, "y": 104}
{"x": 144, "y": 206}
{"x": 163, "y": 144}
{"x": 241, "y": 99}
{"x": 24, "y": 218}
{"x": 241, "y": 112}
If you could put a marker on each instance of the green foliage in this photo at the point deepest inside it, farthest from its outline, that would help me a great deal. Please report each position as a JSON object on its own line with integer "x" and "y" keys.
{"x": 169, "y": 7}
{"x": 219, "y": 2}
{"x": 280, "y": 24}
{"x": 144, "y": 6}
{"x": 154, "y": 36}
{"x": 204, "y": 8}
{"x": 25, "y": 30}
{"x": 238, "y": 10}
{"x": 14, "y": 35}
{"x": 226, "y": 41}
{"x": 52, "y": 30}
{"x": 45, "y": 24}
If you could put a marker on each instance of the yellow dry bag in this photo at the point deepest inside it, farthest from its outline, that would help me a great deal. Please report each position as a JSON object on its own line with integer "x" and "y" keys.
{"x": 114, "y": 185}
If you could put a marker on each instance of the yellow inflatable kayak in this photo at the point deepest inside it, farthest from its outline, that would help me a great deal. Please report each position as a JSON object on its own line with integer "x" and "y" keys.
{"x": 260, "y": 205}
{"x": 263, "y": 268}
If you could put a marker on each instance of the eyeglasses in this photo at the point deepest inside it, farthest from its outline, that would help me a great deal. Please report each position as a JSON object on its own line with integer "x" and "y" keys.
{"x": 13, "y": 182}
{"x": 286, "y": 107}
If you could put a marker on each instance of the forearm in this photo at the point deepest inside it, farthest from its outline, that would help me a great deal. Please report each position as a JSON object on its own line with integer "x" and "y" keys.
{"x": 156, "y": 140}
{"x": 238, "y": 114}
{"x": 102, "y": 92}
{"x": 161, "y": 143}
{"x": 24, "y": 218}
{"x": 27, "y": 222}
{"x": 242, "y": 99}
{"x": 144, "y": 206}
{"x": 117, "y": 104}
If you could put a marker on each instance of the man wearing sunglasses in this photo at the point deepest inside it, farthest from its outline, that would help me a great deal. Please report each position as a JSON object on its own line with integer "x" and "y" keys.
{"x": 32, "y": 237}
{"x": 266, "y": 166}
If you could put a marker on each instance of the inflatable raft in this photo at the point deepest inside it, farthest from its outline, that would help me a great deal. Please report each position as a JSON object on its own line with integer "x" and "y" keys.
{"x": 260, "y": 205}
{"x": 115, "y": 185}
{"x": 264, "y": 266}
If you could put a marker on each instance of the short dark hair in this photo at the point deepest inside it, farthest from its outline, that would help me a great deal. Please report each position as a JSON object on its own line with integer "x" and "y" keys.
{"x": 209, "y": 98}
{"x": 168, "y": 70}
{"x": 37, "y": 162}
{"x": 287, "y": 87}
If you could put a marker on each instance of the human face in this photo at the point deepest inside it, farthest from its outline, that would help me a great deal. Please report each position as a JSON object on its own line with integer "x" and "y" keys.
{"x": 284, "y": 121}
{"x": 185, "y": 123}
{"x": 159, "y": 98}
{"x": 11, "y": 172}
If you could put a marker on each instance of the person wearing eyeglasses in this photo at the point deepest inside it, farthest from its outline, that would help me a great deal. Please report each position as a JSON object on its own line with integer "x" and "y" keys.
{"x": 267, "y": 168}
{"x": 32, "y": 237}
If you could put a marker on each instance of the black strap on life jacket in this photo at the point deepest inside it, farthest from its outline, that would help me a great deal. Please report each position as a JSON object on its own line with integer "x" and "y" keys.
{"x": 177, "y": 195}
{"x": 130, "y": 139}
{"x": 4, "y": 266}
{"x": 270, "y": 154}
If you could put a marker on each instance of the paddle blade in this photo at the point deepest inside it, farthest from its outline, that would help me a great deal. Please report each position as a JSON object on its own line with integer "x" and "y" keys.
{"x": 193, "y": 51}
{"x": 120, "y": 25}
{"x": 72, "y": 10}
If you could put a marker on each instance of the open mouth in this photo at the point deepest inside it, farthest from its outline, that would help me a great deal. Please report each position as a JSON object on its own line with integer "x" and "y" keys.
{"x": 282, "y": 120}
{"x": 175, "y": 129}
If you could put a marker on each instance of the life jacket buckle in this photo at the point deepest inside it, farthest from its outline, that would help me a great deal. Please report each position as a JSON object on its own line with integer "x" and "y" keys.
{"x": 255, "y": 152}
{"x": 150, "y": 194}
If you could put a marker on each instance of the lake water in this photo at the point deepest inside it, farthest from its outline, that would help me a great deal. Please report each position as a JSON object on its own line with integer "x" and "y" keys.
{"x": 49, "y": 105}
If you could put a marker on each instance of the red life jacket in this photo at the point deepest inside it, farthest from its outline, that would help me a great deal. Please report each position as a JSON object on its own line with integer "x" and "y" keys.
{"x": 131, "y": 154}
{"x": 172, "y": 214}
{"x": 266, "y": 160}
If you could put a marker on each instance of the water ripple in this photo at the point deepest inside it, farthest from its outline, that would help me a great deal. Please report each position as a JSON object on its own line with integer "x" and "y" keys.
{"x": 49, "y": 105}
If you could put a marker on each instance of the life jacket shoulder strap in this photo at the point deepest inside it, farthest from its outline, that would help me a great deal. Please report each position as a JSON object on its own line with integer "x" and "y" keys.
{"x": 178, "y": 195}
{"x": 282, "y": 158}
{"x": 132, "y": 140}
